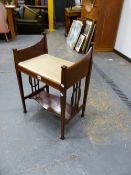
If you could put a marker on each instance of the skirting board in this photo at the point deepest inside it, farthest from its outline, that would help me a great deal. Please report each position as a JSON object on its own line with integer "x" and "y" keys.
{"x": 122, "y": 55}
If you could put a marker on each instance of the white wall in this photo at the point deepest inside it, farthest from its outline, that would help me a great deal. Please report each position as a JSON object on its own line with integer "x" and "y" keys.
{"x": 77, "y": 2}
{"x": 123, "y": 39}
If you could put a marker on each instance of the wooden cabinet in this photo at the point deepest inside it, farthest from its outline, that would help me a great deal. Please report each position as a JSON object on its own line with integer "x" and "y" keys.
{"x": 11, "y": 20}
{"x": 70, "y": 15}
{"x": 107, "y": 14}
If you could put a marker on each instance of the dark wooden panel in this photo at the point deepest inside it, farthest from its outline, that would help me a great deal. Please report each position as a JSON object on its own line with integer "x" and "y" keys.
{"x": 110, "y": 23}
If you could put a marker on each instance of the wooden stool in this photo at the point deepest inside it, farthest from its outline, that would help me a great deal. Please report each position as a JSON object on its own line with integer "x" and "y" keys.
{"x": 57, "y": 73}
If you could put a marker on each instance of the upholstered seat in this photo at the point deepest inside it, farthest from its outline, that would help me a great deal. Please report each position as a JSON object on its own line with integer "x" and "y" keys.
{"x": 39, "y": 66}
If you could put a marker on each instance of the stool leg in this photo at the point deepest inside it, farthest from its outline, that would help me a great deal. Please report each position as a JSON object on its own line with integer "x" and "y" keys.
{"x": 87, "y": 80}
{"x": 63, "y": 106}
{"x": 19, "y": 78}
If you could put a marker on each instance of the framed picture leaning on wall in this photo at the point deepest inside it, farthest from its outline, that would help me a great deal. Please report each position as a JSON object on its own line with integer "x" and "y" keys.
{"x": 80, "y": 42}
{"x": 89, "y": 25}
{"x": 91, "y": 38}
{"x": 74, "y": 33}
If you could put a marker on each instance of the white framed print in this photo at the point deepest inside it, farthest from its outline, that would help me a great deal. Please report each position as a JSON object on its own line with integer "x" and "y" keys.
{"x": 80, "y": 42}
{"x": 74, "y": 33}
{"x": 88, "y": 27}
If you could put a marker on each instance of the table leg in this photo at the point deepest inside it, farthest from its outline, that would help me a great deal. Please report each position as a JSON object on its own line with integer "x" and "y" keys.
{"x": 10, "y": 18}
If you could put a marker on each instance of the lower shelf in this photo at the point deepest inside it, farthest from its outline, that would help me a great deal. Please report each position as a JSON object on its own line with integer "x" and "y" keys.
{"x": 51, "y": 103}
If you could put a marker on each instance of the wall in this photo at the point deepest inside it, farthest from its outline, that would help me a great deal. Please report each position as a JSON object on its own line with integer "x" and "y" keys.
{"x": 123, "y": 39}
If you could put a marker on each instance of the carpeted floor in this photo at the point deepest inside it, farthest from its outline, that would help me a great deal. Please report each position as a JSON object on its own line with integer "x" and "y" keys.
{"x": 99, "y": 144}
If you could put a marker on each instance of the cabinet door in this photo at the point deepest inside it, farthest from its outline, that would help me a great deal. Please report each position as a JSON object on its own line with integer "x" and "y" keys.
{"x": 110, "y": 21}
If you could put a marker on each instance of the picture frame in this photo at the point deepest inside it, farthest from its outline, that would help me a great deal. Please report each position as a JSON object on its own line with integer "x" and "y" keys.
{"x": 80, "y": 42}
{"x": 89, "y": 25}
{"x": 91, "y": 37}
{"x": 74, "y": 33}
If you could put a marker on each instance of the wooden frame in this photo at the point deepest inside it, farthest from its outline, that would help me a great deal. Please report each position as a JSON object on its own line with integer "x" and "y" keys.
{"x": 89, "y": 30}
{"x": 88, "y": 26}
{"x": 51, "y": 102}
{"x": 91, "y": 38}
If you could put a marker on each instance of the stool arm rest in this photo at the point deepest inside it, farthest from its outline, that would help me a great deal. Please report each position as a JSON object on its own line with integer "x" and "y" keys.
{"x": 32, "y": 51}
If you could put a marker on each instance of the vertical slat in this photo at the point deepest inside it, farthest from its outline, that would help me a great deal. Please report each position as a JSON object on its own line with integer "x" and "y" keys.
{"x": 79, "y": 94}
{"x": 72, "y": 100}
{"x": 34, "y": 83}
{"x": 75, "y": 98}
{"x": 75, "y": 103}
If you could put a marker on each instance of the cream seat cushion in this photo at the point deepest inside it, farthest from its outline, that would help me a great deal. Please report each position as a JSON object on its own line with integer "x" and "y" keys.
{"x": 46, "y": 66}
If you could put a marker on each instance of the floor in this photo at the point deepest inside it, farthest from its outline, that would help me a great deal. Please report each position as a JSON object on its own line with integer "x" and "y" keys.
{"x": 99, "y": 144}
